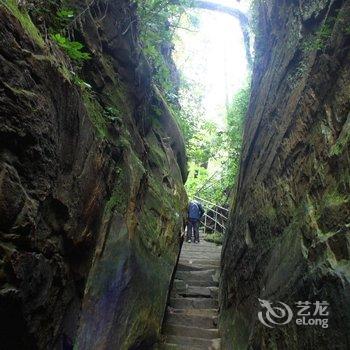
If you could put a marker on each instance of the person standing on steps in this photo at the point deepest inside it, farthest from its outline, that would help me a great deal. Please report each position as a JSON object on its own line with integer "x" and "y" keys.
{"x": 195, "y": 213}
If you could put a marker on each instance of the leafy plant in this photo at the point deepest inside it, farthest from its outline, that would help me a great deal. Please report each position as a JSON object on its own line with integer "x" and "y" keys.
{"x": 212, "y": 148}
{"x": 215, "y": 237}
{"x": 65, "y": 14}
{"x": 72, "y": 48}
{"x": 319, "y": 40}
{"x": 112, "y": 114}
{"x": 63, "y": 17}
{"x": 80, "y": 82}
{"x": 158, "y": 20}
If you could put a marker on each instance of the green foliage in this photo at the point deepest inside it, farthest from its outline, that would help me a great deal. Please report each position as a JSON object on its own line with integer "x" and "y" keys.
{"x": 72, "y": 48}
{"x": 333, "y": 198}
{"x": 204, "y": 143}
{"x": 235, "y": 118}
{"x": 65, "y": 14}
{"x": 80, "y": 82}
{"x": 215, "y": 155}
{"x": 215, "y": 237}
{"x": 158, "y": 18}
{"x": 190, "y": 114}
{"x": 158, "y": 21}
{"x": 112, "y": 114}
{"x": 319, "y": 40}
{"x": 43, "y": 11}
{"x": 342, "y": 142}
{"x": 63, "y": 17}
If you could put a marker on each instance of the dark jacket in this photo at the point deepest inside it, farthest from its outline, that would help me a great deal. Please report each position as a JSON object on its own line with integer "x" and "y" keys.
{"x": 195, "y": 210}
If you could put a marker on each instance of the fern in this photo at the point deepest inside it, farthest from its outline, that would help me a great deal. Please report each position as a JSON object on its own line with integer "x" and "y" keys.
{"x": 72, "y": 48}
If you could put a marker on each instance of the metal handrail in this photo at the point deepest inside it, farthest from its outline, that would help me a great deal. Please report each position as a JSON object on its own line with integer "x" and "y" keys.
{"x": 216, "y": 212}
{"x": 218, "y": 223}
{"x": 213, "y": 204}
{"x": 214, "y": 208}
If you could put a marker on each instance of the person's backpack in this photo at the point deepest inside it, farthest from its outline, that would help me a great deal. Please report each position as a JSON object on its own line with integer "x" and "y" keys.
{"x": 195, "y": 211}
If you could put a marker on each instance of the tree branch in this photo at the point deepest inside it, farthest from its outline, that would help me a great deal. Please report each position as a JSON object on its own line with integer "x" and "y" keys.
{"x": 243, "y": 21}
{"x": 207, "y": 5}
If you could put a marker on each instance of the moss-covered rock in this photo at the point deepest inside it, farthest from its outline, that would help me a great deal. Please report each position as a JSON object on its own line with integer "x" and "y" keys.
{"x": 288, "y": 235}
{"x": 92, "y": 201}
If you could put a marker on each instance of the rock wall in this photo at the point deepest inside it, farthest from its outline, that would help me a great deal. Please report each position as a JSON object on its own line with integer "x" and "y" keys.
{"x": 289, "y": 236}
{"x": 91, "y": 186}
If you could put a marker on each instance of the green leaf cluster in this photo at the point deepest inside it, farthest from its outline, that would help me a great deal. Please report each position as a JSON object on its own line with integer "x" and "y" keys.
{"x": 214, "y": 148}
{"x": 158, "y": 20}
{"x": 72, "y": 48}
{"x": 319, "y": 40}
{"x": 65, "y": 14}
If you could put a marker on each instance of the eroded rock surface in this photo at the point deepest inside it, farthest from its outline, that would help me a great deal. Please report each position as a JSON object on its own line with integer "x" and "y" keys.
{"x": 91, "y": 187}
{"x": 288, "y": 237}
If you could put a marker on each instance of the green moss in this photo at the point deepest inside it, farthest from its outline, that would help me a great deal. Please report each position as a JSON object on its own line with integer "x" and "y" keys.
{"x": 95, "y": 113}
{"x": 342, "y": 141}
{"x": 235, "y": 330}
{"x": 65, "y": 72}
{"x": 151, "y": 231}
{"x": 335, "y": 199}
{"x": 319, "y": 39}
{"x": 117, "y": 93}
{"x": 113, "y": 114}
{"x": 19, "y": 91}
{"x": 156, "y": 153}
{"x": 120, "y": 196}
{"x": 25, "y": 21}
{"x": 160, "y": 194}
{"x": 270, "y": 211}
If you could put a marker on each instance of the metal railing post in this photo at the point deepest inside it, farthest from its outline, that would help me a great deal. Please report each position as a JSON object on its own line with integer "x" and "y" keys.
{"x": 208, "y": 206}
{"x": 215, "y": 220}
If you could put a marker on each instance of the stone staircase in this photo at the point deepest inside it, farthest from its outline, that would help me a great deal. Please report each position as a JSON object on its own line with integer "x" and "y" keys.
{"x": 191, "y": 319}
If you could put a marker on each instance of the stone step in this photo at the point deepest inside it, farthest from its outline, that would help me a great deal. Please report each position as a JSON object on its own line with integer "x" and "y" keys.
{"x": 196, "y": 291}
{"x": 183, "y": 319}
{"x": 193, "y": 303}
{"x": 192, "y": 316}
{"x": 201, "y": 247}
{"x": 193, "y": 266}
{"x": 212, "y": 344}
{"x": 181, "y": 287}
{"x": 201, "y": 254}
{"x": 169, "y": 346}
{"x": 194, "y": 332}
{"x": 203, "y": 283}
{"x": 194, "y": 312}
{"x": 190, "y": 276}
{"x": 199, "y": 262}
